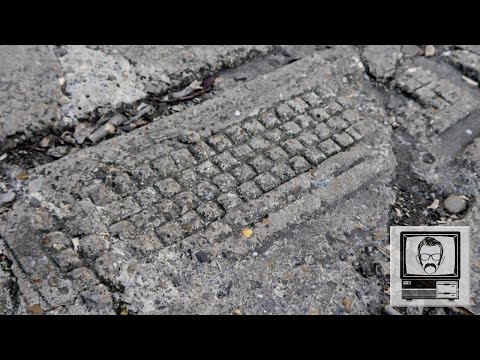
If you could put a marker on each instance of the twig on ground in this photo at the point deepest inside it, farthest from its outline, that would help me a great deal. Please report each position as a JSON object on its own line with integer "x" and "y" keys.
{"x": 141, "y": 113}
{"x": 107, "y": 129}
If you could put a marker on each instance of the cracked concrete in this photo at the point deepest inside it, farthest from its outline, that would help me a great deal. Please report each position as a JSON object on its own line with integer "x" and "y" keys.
{"x": 382, "y": 60}
{"x": 29, "y": 91}
{"x": 95, "y": 80}
{"x": 161, "y": 66}
{"x": 50, "y": 88}
{"x": 314, "y": 151}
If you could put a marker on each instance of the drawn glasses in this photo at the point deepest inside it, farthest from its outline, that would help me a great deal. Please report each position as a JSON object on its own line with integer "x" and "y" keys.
{"x": 426, "y": 257}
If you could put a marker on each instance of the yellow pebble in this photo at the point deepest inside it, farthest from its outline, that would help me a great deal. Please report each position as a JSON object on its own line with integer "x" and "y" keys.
{"x": 247, "y": 232}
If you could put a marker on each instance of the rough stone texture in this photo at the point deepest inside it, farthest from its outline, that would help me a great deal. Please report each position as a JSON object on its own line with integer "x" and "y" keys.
{"x": 472, "y": 220}
{"x": 160, "y": 66}
{"x": 311, "y": 157}
{"x": 472, "y": 48}
{"x": 7, "y": 285}
{"x": 471, "y": 155}
{"x": 94, "y": 79}
{"x": 106, "y": 76}
{"x": 7, "y": 197}
{"x": 29, "y": 89}
{"x": 467, "y": 61}
{"x": 381, "y": 60}
{"x": 112, "y": 255}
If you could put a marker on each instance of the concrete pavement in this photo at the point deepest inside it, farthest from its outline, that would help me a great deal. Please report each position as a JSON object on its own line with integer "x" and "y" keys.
{"x": 268, "y": 195}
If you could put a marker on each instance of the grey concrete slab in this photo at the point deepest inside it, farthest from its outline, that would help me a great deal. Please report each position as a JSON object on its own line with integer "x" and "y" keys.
{"x": 108, "y": 208}
{"x": 272, "y": 195}
{"x": 47, "y": 88}
{"x": 106, "y": 76}
{"x": 29, "y": 89}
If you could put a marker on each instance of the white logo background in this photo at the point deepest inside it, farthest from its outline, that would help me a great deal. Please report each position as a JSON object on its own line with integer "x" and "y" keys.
{"x": 443, "y": 279}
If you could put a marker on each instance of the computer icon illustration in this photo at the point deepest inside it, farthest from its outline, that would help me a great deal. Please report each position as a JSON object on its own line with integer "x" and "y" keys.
{"x": 430, "y": 265}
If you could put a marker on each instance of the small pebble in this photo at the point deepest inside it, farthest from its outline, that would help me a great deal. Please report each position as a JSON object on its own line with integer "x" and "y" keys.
{"x": 429, "y": 50}
{"x": 369, "y": 250}
{"x": 35, "y": 310}
{"x": 44, "y": 143}
{"x": 313, "y": 311}
{"x": 428, "y": 158}
{"x": 60, "y": 52}
{"x": 76, "y": 244}
{"x": 455, "y": 204}
{"x": 58, "y": 151}
{"x": 177, "y": 108}
{"x": 67, "y": 137}
{"x": 247, "y": 232}
{"x": 188, "y": 137}
{"x": 347, "y": 303}
{"x": 202, "y": 256}
{"x": 35, "y": 203}
{"x": 440, "y": 212}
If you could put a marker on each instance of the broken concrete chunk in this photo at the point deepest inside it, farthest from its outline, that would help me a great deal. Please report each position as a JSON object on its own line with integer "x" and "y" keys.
{"x": 8, "y": 197}
{"x": 81, "y": 133}
{"x": 381, "y": 60}
{"x": 58, "y": 152}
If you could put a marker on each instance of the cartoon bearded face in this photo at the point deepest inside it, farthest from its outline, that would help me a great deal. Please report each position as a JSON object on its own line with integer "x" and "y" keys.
{"x": 430, "y": 255}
